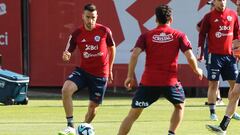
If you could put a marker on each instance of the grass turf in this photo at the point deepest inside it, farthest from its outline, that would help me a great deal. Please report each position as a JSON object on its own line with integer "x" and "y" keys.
{"x": 46, "y": 117}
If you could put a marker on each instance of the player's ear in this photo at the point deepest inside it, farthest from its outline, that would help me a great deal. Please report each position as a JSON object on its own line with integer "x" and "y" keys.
{"x": 156, "y": 20}
{"x": 171, "y": 20}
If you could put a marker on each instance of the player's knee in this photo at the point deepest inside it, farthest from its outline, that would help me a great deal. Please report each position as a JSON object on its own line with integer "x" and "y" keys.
{"x": 67, "y": 91}
{"x": 213, "y": 86}
{"x": 234, "y": 94}
{"x": 69, "y": 88}
{"x": 179, "y": 106}
{"x": 93, "y": 106}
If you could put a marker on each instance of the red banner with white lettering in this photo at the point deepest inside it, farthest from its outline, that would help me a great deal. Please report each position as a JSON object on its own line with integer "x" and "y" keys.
{"x": 10, "y": 35}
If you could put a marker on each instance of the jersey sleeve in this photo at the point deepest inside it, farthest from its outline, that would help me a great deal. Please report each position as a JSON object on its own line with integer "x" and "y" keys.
{"x": 202, "y": 33}
{"x": 109, "y": 39}
{"x": 141, "y": 42}
{"x": 199, "y": 23}
{"x": 184, "y": 43}
{"x": 236, "y": 29}
{"x": 72, "y": 43}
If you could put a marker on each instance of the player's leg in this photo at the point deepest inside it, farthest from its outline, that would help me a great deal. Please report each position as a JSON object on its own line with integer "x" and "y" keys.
{"x": 230, "y": 73}
{"x": 128, "y": 121}
{"x": 219, "y": 98}
{"x": 212, "y": 88}
{"x": 68, "y": 89}
{"x": 233, "y": 97}
{"x": 214, "y": 67}
{"x": 232, "y": 106}
{"x": 230, "y": 110}
{"x": 97, "y": 87}
{"x": 177, "y": 117}
{"x": 70, "y": 86}
{"x": 231, "y": 86}
{"x": 91, "y": 113}
{"x": 143, "y": 98}
{"x": 233, "y": 100}
{"x": 175, "y": 94}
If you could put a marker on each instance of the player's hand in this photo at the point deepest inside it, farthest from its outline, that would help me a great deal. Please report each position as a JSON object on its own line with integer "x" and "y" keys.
{"x": 129, "y": 83}
{"x": 235, "y": 44}
{"x": 200, "y": 59}
{"x": 200, "y": 56}
{"x": 66, "y": 56}
{"x": 199, "y": 72}
{"x": 236, "y": 48}
{"x": 110, "y": 77}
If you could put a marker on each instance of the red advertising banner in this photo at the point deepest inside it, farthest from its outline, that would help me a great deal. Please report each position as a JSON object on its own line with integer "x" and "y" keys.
{"x": 10, "y": 35}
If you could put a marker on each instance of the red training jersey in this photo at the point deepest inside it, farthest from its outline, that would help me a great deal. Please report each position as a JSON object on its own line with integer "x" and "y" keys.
{"x": 92, "y": 46}
{"x": 162, "y": 46}
{"x": 221, "y": 29}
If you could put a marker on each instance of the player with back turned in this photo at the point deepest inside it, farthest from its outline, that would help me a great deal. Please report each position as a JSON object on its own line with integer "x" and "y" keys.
{"x": 162, "y": 46}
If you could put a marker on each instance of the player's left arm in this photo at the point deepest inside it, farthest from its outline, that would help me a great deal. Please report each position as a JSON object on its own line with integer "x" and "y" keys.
{"x": 186, "y": 48}
{"x": 236, "y": 29}
{"x": 112, "y": 54}
{"x": 192, "y": 61}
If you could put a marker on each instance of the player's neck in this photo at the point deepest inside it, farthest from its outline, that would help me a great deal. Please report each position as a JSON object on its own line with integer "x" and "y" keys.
{"x": 165, "y": 24}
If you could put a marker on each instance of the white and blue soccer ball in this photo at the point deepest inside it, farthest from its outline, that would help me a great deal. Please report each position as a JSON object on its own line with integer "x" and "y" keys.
{"x": 85, "y": 129}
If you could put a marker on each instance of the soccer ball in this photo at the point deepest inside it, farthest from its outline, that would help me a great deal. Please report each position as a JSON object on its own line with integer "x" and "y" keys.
{"x": 85, "y": 129}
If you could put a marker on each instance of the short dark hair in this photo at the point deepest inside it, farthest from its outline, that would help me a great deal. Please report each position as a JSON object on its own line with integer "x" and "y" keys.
{"x": 163, "y": 13}
{"x": 90, "y": 7}
{"x": 210, "y": 2}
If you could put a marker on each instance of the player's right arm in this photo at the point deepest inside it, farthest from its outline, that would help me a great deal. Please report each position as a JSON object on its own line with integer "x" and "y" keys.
{"x": 202, "y": 36}
{"x": 71, "y": 45}
{"x": 129, "y": 82}
{"x": 198, "y": 25}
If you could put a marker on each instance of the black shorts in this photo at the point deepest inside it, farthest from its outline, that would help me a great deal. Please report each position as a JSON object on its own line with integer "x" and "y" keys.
{"x": 146, "y": 95}
{"x": 96, "y": 85}
{"x": 224, "y": 65}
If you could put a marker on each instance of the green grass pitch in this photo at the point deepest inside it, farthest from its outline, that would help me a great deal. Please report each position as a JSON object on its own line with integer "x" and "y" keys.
{"x": 46, "y": 117}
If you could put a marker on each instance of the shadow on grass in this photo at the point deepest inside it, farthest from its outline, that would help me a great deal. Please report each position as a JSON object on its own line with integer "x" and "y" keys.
{"x": 63, "y": 122}
{"x": 202, "y": 106}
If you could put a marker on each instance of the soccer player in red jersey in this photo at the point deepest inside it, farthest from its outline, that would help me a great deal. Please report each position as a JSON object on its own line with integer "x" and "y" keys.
{"x": 219, "y": 99}
{"x": 233, "y": 98}
{"x": 161, "y": 46}
{"x": 97, "y": 53}
{"x": 221, "y": 27}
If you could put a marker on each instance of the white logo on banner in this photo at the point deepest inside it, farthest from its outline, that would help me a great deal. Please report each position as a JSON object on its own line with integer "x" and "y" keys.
{"x": 3, "y": 8}
{"x": 4, "y": 39}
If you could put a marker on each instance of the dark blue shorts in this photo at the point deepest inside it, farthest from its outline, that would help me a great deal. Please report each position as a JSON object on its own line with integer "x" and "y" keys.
{"x": 238, "y": 79}
{"x": 96, "y": 85}
{"x": 224, "y": 65}
{"x": 146, "y": 95}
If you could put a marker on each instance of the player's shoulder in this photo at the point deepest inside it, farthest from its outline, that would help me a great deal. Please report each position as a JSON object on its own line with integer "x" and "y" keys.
{"x": 103, "y": 27}
{"x": 177, "y": 32}
{"x": 208, "y": 15}
{"x": 77, "y": 31}
{"x": 232, "y": 13}
{"x": 231, "y": 10}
